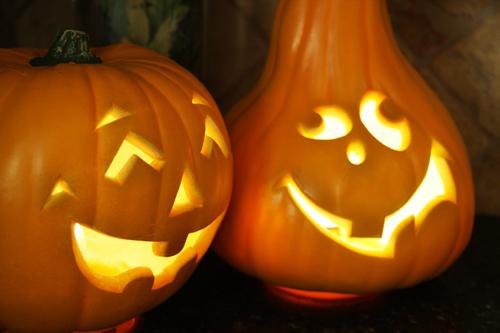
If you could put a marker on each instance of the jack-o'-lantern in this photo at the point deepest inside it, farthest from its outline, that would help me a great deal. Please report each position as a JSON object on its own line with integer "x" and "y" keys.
{"x": 350, "y": 176}
{"x": 115, "y": 173}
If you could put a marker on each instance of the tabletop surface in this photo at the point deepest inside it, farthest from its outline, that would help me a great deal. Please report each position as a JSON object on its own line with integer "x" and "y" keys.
{"x": 218, "y": 299}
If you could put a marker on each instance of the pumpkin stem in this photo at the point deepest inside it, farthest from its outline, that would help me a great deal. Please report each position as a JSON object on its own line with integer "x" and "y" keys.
{"x": 70, "y": 46}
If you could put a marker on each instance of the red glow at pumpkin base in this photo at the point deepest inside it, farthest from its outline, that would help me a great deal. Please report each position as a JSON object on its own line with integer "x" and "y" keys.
{"x": 316, "y": 298}
{"x": 126, "y": 327}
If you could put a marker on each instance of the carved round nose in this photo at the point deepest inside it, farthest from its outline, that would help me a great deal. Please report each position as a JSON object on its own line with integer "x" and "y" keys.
{"x": 356, "y": 152}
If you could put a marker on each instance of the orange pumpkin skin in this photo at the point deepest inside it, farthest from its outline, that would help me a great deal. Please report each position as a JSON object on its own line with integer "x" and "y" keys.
{"x": 334, "y": 53}
{"x": 54, "y": 128}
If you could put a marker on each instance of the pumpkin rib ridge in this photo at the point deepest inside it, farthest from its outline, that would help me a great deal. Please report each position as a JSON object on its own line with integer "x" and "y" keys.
{"x": 14, "y": 87}
{"x": 184, "y": 80}
{"x": 274, "y": 118}
{"x": 267, "y": 128}
{"x": 117, "y": 54}
{"x": 401, "y": 62}
{"x": 96, "y": 133}
{"x": 327, "y": 59}
{"x": 186, "y": 77}
{"x": 368, "y": 41}
{"x": 372, "y": 268}
{"x": 93, "y": 112}
{"x": 180, "y": 82}
{"x": 251, "y": 229}
{"x": 465, "y": 230}
{"x": 180, "y": 86}
{"x": 166, "y": 65}
{"x": 161, "y": 134}
{"x": 251, "y": 236}
{"x": 434, "y": 103}
{"x": 457, "y": 249}
{"x": 167, "y": 99}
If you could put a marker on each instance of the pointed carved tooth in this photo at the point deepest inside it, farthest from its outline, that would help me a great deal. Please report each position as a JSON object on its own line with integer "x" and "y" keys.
{"x": 114, "y": 114}
{"x": 213, "y": 134}
{"x": 132, "y": 148}
{"x": 188, "y": 196}
{"x": 199, "y": 100}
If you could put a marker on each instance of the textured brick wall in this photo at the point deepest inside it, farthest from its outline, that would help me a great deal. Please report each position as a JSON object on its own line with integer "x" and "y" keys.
{"x": 454, "y": 44}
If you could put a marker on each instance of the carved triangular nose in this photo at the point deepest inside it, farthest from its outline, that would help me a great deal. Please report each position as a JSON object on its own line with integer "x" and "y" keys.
{"x": 356, "y": 152}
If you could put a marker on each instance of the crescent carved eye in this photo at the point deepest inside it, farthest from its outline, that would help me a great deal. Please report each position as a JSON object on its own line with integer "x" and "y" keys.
{"x": 395, "y": 135}
{"x": 335, "y": 123}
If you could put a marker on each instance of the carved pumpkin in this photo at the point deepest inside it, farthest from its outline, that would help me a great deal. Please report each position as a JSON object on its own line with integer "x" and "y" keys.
{"x": 114, "y": 177}
{"x": 350, "y": 176}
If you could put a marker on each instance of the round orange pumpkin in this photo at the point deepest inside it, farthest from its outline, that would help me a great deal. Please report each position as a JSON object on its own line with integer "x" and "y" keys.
{"x": 350, "y": 175}
{"x": 115, "y": 175}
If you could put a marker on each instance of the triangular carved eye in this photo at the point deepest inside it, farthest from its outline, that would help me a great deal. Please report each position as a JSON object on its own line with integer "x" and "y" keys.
{"x": 60, "y": 190}
{"x": 188, "y": 196}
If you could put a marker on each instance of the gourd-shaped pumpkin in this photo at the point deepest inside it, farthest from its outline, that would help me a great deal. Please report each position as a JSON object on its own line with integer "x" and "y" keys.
{"x": 350, "y": 176}
{"x": 114, "y": 176}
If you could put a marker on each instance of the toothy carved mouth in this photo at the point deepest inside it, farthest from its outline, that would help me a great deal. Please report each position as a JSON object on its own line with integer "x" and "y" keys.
{"x": 111, "y": 263}
{"x": 437, "y": 186}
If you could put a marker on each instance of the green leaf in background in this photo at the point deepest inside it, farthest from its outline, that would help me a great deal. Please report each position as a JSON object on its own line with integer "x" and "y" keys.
{"x": 116, "y": 13}
{"x": 156, "y": 10}
{"x": 164, "y": 38}
{"x": 138, "y": 23}
{"x": 150, "y": 23}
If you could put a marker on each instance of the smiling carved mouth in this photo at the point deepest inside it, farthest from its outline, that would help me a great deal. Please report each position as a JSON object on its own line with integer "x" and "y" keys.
{"x": 436, "y": 186}
{"x": 111, "y": 263}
